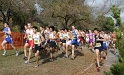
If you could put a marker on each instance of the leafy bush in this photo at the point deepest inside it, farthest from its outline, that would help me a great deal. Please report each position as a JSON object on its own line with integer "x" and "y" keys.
{"x": 15, "y": 28}
{"x": 107, "y": 73}
{"x": 118, "y": 69}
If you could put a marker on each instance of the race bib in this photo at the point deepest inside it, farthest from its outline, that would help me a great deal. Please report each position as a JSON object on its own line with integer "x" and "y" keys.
{"x": 36, "y": 41}
{"x": 6, "y": 36}
{"x": 98, "y": 44}
{"x": 74, "y": 36}
{"x": 66, "y": 37}
{"x": 29, "y": 36}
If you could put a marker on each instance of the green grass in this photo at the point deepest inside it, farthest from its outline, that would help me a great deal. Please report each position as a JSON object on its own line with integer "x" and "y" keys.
{"x": 14, "y": 65}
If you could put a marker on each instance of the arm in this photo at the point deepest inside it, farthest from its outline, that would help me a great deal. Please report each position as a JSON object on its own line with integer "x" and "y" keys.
{"x": 9, "y": 31}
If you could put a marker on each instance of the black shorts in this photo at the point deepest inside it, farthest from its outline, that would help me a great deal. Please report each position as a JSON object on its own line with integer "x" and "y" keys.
{"x": 26, "y": 41}
{"x": 36, "y": 48}
{"x": 99, "y": 48}
{"x": 63, "y": 41}
{"x": 52, "y": 44}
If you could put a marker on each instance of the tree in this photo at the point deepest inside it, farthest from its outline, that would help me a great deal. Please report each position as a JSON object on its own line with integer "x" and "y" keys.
{"x": 105, "y": 23}
{"x": 116, "y": 14}
{"x": 66, "y": 12}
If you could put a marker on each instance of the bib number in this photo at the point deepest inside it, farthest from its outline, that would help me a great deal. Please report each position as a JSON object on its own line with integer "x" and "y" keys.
{"x": 98, "y": 45}
{"x": 36, "y": 41}
{"x": 6, "y": 36}
{"x": 29, "y": 36}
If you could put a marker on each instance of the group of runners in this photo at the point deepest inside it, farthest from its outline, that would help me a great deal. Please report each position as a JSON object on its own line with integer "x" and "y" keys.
{"x": 48, "y": 39}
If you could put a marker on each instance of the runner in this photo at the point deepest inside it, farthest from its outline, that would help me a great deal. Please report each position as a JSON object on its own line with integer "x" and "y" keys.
{"x": 68, "y": 41}
{"x": 8, "y": 39}
{"x": 114, "y": 41}
{"x": 63, "y": 40}
{"x": 105, "y": 44}
{"x": 44, "y": 44}
{"x": 81, "y": 37}
{"x": 52, "y": 43}
{"x": 38, "y": 39}
{"x": 98, "y": 47}
{"x": 29, "y": 43}
{"x": 91, "y": 40}
{"x": 74, "y": 41}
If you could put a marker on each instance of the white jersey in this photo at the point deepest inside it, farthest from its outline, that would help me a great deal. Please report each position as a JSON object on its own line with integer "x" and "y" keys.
{"x": 36, "y": 39}
{"x": 29, "y": 33}
{"x": 66, "y": 36}
{"x": 61, "y": 35}
{"x": 51, "y": 35}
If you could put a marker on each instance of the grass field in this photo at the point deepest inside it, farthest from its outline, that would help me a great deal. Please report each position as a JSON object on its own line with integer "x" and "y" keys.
{"x": 14, "y": 65}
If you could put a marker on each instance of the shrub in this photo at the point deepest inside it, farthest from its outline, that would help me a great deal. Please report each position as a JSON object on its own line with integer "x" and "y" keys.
{"x": 118, "y": 69}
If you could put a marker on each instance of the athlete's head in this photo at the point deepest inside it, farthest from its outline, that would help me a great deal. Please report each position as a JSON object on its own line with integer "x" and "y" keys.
{"x": 96, "y": 31}
{"x": 66, "y": 29}
{"x": 90, "y": 31}
{"x": 29, "y": 25}
{"x": 41, "y": 28}
{"x": 35, "y": 29}
{"x": 73, "y": 27}
{"x": 6, "y": 24}
{"x": 51, "y": 28}
{"x": 25, "y": 27}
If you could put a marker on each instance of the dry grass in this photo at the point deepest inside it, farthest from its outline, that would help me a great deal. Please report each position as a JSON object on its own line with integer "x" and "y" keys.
{"x": 12, "y": 65}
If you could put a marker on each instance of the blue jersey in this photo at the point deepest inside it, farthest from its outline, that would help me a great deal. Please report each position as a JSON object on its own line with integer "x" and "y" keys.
{"x": 8, "y": 38}
{"x": 75, "y": 38}
{"x": 74, "y": 34}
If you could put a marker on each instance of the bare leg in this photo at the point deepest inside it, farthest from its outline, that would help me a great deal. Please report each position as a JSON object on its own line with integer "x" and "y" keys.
{"x": 37, "y": 58}
{"x": 25, "y": 51}
{"x": 3, "y": 46}
{"x": 97, "y": 57}
{"x": 63, "y": 48}
{"x": 51, "y": 54}
{"x": 66, "y": 55}
{"x": 30, "y": 52}
{"x": 73, "y": 51}
{"x": 17, "y": 53}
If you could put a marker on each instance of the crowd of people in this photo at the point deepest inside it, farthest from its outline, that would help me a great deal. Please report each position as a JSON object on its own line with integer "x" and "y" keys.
{"x": 49, "y": 40}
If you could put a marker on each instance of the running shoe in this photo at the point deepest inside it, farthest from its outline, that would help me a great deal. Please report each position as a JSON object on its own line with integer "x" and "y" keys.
{"x": 27, "y": 62}
{"x": 98, "y": 69}
{"x": 36, "y": 65}
{"x": 51, "y": 60}
{"x": 4, "y": 53}
{"x": 73, "y": 57}
{"x": 17, "y": 53}
{"x": 65, "y": 56}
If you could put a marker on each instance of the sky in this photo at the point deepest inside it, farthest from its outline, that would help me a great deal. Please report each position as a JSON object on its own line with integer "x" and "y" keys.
{"x": 98, "y": 4}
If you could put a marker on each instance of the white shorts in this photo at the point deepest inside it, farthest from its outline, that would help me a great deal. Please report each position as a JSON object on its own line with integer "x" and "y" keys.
{"x": 68, "y": 42}
{"x": 87, "y": 40}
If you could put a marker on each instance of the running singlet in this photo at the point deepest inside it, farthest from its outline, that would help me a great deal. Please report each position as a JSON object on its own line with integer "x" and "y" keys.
{"x": 61, "y": 35}
{"x": 8, "y": 37}
{"x": 51, "y": 36}
{"x": 75, "y": 39}
{"x": 90, "y": 36}
{"x": 36, "y": 39}
{"x": 74, "y": 34}
{"x": 66, "y": 36}
{"x": 98, "y": 43}
{"x": 29, "y": 32}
